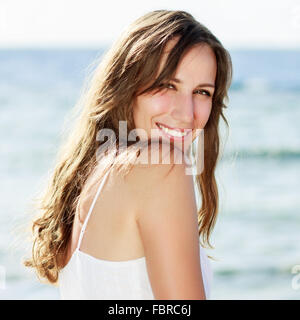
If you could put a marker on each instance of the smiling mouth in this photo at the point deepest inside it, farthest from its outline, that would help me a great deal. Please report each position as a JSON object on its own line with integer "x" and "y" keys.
{"x": 173, "y": 132}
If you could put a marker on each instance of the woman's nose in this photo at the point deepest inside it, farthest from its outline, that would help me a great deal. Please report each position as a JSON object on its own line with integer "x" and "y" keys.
{"x": 183, "y": 109}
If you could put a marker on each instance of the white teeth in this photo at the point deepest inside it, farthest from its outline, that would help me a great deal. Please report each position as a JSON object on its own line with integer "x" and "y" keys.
{"x": 172, "y": 132}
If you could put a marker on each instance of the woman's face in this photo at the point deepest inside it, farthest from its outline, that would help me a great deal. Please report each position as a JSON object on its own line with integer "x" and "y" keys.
{"x": 185, "y": 104}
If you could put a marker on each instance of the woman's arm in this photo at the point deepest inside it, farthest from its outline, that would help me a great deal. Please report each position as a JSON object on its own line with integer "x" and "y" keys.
{"x": 168, "y": 225}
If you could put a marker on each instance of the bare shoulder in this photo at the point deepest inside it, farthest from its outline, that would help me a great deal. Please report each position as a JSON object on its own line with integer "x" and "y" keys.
{"x": 168, "y": 225}
{"x": 157, "y": 163}
{"x": 157, "y": 169}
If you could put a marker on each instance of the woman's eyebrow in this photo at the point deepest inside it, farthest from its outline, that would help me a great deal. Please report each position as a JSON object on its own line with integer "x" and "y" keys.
{"x": 199, "y": 85}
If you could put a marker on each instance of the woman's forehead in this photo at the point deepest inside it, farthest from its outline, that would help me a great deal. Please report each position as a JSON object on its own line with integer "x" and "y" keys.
{"x": 195, "y": 53}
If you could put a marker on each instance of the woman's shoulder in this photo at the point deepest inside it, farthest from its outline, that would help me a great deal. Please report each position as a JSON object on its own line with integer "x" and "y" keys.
{"x": 156, "y": 163}
{"x": 166, "y": 217}
{"x": 149, "y": 179}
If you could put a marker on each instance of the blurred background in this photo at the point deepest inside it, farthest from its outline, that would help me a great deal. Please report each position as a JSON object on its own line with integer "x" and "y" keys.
{"x": 46, "y": 50}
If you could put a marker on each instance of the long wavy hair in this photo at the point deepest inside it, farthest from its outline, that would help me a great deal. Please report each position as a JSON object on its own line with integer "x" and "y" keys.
{"x": 130, "y": 64}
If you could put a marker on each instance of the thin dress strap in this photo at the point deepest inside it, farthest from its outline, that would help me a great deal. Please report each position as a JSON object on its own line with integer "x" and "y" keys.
{"x": 91, "y": 209}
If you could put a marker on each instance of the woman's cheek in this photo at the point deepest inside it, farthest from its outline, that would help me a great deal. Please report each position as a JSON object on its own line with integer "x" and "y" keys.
{"x": 202, "y": 114}
{"x": 161, "y": 103}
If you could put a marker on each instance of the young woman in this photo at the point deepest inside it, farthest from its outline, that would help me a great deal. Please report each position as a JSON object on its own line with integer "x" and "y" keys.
{"x": 112, "y": 226}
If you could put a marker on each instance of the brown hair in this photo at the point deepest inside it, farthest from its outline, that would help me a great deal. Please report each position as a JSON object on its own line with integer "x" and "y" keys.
{"x": 130, "y": 64}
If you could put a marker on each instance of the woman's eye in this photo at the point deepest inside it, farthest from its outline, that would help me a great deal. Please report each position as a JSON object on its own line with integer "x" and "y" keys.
{"x": 201, "y": 92}
{"x": 166, "y": 85}
{"x": 169, "y": 85}
{"x": 204, "y": 92}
